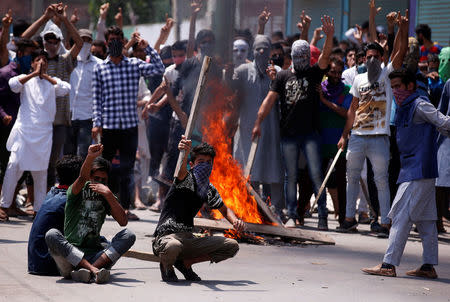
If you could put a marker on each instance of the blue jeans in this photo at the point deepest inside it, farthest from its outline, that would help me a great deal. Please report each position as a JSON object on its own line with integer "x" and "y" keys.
{"x": 68, "y": 256}
{"x": 376, "y": 149}
{"x": 125, "y": 141}
{"x": 78, "y": 138}
{"x": 290, "y": 151}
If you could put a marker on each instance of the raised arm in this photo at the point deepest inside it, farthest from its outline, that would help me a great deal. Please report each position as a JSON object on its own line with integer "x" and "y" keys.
{"x": 317, "y": 36}
{"x": 401, "y": 40}
{"x": 119, "y": 18}
{"x": 85, "y": 173}
{"x": 390, "y": 19}
{"x": 49, "y": 13}
{"x": 6, "y": 23}
{"x": 303, "y": 26}
{"x": 71, "y": 30}
{"x": 372, "y": 26}
{"x": 328, "y": 29}
{"x": 184, "y": 145}
{"x": 263, "y": 18}
{"x": 155, "y": 66}
{"x": 196, "y": 6}
{"x": 164, "y": 34}
{"x": 101, "y": 25}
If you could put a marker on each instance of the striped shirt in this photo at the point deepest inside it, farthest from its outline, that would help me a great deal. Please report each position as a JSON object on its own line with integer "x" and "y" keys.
{"x": 115, "y": 89}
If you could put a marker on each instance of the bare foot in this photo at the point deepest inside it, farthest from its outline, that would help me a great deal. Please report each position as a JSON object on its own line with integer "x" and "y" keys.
{"x": 139, "y": 205}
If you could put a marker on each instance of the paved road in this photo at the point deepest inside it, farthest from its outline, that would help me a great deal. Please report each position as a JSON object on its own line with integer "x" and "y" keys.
{"x": 273, "y": 273}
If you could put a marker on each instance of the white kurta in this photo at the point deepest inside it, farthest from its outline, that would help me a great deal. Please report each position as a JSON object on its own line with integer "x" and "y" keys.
{"x": 30, "y": 140}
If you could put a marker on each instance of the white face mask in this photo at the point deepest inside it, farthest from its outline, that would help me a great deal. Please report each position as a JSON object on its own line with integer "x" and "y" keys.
{"x": 85, "y": 51}
{"x": 240, "y": 52}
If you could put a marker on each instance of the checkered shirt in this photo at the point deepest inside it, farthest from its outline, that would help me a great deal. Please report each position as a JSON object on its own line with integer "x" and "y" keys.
{"x": 115, "y": 90}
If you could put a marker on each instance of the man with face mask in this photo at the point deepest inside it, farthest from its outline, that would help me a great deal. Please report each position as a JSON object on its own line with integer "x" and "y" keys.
{"x": 79, "y": 134}
{"x": 252, "y": 84}
{"x": 299, "y": 103}
{"x": 174, "y": 242}
{"x": 417, "y": 121}
{"x": 115, "y": 92}
{"x": 60, "y": 66}
{"x": 240, "y": 52}
{"x": 349, "y": 74}
{"x": 368, "y": 117}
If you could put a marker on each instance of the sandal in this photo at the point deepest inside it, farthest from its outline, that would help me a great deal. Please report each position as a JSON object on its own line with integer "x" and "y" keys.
{"x": 131, "y": 216}
{"x": 3, "y": 215}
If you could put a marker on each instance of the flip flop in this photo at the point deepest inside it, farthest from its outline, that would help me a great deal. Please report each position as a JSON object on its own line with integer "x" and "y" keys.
{"x": 4, "y": 216}
{"x": 154, "y": 208}
{"x": 132, "y": 217}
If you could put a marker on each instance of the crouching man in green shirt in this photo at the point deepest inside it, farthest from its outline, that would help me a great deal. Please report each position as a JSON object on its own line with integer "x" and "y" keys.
{"x": 80, "y": 253}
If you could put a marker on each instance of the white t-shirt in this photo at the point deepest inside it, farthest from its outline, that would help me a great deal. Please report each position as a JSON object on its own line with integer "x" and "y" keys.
{"x": 349, "y": 75}
{"x": 374, "y": 111}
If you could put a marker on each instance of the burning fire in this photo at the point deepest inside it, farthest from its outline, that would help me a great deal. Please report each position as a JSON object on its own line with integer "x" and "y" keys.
{"x": 227, "y": 175}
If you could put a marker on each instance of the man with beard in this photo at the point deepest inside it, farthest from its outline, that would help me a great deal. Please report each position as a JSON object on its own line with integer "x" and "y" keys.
{"x": 368, "y": 118}
{"x": 115, "y": 92}
{"x": 423, "y": 34}
{"x": 299, "y": 102}
{"x": 60, "y": 66}
{"x": 252, "y": 84}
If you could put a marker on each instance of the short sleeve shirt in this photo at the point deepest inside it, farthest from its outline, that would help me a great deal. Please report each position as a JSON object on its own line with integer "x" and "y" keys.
{"x": 375, "y": 100}
{"x": 84, "y": 217}
{"x": 181, "y": 205}
{"x": 299, "y": 100}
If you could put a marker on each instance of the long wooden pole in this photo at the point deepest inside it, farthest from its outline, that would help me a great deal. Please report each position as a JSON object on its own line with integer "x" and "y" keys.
{"x": 194, "y": 109}
{"x": 322, "y": 187}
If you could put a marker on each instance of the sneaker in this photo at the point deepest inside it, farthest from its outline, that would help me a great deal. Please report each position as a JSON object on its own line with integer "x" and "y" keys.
{"x": 188, "y": 273}
{"x": 168, "y": 275}
{"x": 290, "y": 223}
{"x": 378, "y": 270}
{"x": 322, "y": 225}
{"x": 102, "y": 276}
{"x": 419, "y": 272}
{"x": 81, "y": 275}
{"x": 348, "y": 226}
{"x": 383, "y": 232}
{"x": 363, "y": 218}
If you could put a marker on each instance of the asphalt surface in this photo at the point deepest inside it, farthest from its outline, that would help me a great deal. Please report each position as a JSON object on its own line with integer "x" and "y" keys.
{"x": 279, "y": 271}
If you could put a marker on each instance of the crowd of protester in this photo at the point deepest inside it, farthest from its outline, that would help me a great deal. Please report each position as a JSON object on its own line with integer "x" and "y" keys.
{"x": 66, "y": 98}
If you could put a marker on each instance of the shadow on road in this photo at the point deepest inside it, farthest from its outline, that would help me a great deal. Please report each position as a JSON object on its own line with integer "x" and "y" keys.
{"x": 213, "y": 284}
{"x": 11, "y": 241}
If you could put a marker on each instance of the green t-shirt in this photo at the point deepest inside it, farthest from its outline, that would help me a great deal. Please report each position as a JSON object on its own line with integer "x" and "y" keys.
{"x": 84, "y": 216}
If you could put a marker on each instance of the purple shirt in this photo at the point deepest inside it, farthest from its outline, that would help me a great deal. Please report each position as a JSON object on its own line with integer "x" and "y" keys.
{"x": 9, "y": 101}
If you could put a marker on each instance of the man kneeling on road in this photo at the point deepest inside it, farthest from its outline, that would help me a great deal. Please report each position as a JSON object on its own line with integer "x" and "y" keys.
{"x": 88, "y": 201}
{"x": 174, "y": 242}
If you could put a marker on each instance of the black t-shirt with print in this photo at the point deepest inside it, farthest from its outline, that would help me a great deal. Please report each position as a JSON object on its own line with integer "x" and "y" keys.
{"x": 299, "y": 100}
{"x": 181, "y": 205}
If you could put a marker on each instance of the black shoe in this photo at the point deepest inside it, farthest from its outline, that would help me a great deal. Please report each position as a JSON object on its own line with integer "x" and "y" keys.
{"x": 188, "y": 273}
{"x": 322, "y": 225}
{"x": 348, "y": 226}
{"x": 168, "y": 275}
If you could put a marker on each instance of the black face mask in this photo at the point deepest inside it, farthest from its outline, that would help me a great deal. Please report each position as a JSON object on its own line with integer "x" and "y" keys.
{"x": 98, "y": 55}
{"x": 278, "y": 60}
{"x": 115, "y": 48}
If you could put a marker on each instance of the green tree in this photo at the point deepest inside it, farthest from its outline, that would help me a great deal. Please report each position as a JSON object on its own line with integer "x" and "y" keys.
{"x": 146, "y": 11}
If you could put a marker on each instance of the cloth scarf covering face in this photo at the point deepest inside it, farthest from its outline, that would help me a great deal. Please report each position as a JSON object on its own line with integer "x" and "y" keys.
{"x": 261, "y": 52}
{"x": 201, "y": 172}
{"x": 301, "y": 55}
{"x": 444, "y": 64}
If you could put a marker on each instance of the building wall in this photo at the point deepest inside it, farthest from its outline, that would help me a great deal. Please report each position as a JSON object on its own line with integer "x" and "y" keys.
{"x": 435, "y": 13}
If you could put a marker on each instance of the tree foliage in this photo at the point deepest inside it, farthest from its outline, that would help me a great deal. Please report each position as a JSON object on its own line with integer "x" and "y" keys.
{"x": 146, "y": 11}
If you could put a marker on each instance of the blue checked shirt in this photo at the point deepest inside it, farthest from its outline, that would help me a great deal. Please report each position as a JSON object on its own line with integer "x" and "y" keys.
{"x": 115, "y": 90}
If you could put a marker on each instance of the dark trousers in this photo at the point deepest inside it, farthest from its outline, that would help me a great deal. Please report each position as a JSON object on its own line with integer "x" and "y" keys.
{"x": 394, "y": 164}
{"x": 176, "y": 130}
{"x": 58, "y": 141}
{"x": 158, "y": 137}
{"x": 125, "y": 141}
{"x": 78, "y": 138}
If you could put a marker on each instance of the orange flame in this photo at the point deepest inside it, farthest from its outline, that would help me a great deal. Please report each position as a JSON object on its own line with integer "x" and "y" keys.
{"x": 227, "y": 175}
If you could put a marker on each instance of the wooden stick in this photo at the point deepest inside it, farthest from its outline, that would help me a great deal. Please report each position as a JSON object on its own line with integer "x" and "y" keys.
{"x": 251, "y": 157}
{"x": 262, "y": 206}
{"x": 99, "y": 138}
{"x": 366, "y": 195}
{"x": 194, "y": 109}
{"x": 292, "y": 233}
{"x": 330, "y": 169}
{"x": 141, "y": 256}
